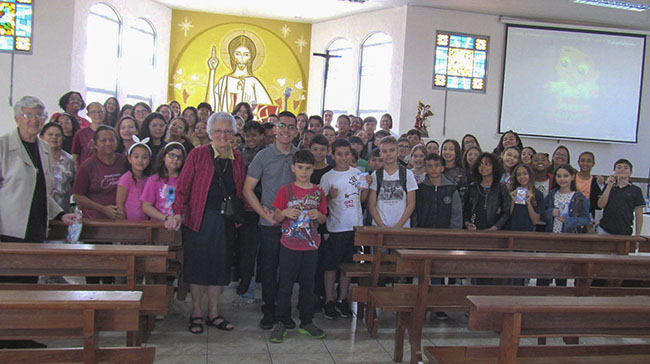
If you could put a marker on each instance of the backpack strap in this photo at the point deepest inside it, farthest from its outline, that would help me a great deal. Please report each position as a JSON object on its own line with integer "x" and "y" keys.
{"x": 380, "y": 179}
{"x": 402, "y": 177}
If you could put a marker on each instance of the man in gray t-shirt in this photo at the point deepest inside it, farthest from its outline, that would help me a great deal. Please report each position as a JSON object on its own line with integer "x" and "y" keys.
{"x": 271, "y": 166}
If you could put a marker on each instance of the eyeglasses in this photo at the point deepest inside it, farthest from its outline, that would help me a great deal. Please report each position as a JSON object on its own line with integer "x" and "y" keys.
{"x": 404, "y": 147}
{"x": 285, "y": 126}
{"x": 97, "y": 112}
{"x": 220, "y": 132}
{"x": 175, "y": 157}
{"x": 29, "y": 115}
{"x": 141, "y": 112}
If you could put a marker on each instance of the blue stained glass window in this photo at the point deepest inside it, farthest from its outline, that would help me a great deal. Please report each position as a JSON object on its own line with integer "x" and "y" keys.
{"x": 441, "y": 59}
{"x": 460, "y": 41}
{"x": 23, "y": 20}
{"x": 16, "y": 25}
{"x": 6, "y": 43}
{"x": 460, "y": 62}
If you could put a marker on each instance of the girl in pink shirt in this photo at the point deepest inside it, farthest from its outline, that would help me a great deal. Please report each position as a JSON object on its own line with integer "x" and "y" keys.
{"x": 132, "y": 183}
{"x": 159, "y": 192}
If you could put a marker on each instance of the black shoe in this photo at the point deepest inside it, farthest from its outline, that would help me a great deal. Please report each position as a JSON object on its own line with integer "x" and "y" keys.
{"x": 319, "y": 302}
{"x": 330, "y": 310}
{"x": 243, "y": 286}
{"x": 344, "y": 308}
{"x": 266, "y": 323}
{"x": 289, "y": 323}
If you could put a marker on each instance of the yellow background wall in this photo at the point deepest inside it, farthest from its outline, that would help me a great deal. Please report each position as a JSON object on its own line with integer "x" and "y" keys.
{"x": 280, "y": 63}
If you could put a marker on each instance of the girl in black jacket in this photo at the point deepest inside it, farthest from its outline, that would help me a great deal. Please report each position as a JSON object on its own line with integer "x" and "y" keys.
{"x": 487, "y": 201}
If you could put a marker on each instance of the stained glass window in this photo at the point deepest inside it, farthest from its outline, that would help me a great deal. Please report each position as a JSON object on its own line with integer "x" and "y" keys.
{"x": 460, "y": 62}
{"x": 16, "y": 25}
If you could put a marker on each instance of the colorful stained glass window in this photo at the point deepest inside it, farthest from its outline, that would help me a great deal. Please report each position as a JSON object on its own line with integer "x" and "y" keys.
{"x": 460, "y": 62}
{"x": 16, "y": 25}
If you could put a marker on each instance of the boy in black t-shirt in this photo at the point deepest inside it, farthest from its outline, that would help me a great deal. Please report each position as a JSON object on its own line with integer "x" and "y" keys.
{"x": 620, "y": 201}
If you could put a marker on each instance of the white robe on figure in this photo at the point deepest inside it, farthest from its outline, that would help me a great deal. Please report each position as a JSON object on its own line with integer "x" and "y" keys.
{"x": 232, "y": 90}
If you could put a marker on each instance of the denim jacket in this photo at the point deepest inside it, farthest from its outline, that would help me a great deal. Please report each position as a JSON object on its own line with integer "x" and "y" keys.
{"x": 578, "y": 212}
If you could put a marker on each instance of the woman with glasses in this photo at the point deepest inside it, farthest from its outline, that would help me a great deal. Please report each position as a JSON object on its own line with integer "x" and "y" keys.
{"x": 140, "y": 112}
{"x": 177, "y": 132}
{"x": 212, "y": 174}
{"x": 82, "y": 145}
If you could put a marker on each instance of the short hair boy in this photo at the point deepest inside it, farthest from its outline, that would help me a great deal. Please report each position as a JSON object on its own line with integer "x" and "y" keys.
{"x": 414, "y": 136}
{"x": 620, "y": 201}
{"x": 315, "y": 123}
{"x": 253, "y": 140}
{"x": 344, "y": 197}
{"x": 269, "y": 133}
{"x": 375, "y": 162}
{"x": 392, "y": 200}
{"x": 437, "y": 201}
{"x": 300, "y": 206}
{"x": 319, "y": 147}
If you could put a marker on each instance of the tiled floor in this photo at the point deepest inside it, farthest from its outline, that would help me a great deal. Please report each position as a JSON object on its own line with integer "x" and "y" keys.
{"x": 346, "y": 340}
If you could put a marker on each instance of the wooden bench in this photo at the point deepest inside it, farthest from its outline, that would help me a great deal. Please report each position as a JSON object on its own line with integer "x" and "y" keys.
{"x": 131, "y": 232}
{"x": 383, "y": 241}
{"x": 128, "y": 261}
{"x": 411, "y": 302}
{"x": 70, "y": 315}
{"x": 519, "y": 317}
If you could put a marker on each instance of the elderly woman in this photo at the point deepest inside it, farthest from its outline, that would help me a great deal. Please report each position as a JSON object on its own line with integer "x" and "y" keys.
{"x": 26, "y": 179}
{"x": 26, "y": 184}
{"x": 211, "y": 173}
{"x": 63, "y": 166}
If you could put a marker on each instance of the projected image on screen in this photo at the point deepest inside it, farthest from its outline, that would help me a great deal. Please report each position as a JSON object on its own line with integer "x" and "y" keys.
{"x": 572, "y": 84}
{"x": 460, "y": 62}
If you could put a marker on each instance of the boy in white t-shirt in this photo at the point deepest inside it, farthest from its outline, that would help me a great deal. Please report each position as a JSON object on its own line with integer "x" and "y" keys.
{"x": 346, "y": 188}
{"x": 392, "y": 198}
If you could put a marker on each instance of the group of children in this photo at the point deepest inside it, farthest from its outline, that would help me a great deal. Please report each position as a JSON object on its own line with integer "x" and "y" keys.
{"x": 498, "y": 191}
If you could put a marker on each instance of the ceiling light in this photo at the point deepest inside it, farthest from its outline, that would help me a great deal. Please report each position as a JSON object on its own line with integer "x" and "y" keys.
{"x": 622, "y": 5}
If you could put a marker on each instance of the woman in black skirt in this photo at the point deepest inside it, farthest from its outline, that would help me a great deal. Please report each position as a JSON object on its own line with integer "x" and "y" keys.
{"x": 211, "y": 173}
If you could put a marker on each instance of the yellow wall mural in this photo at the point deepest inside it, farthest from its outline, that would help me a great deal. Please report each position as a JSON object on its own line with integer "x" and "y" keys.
{"x": 225, "y": 60}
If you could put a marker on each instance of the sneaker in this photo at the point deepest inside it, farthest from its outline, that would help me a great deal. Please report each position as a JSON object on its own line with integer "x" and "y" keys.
{"x": 311, "y": 330}
{"x": 278, "y": 334}
{"x": 344, "y": 308}
{"x": 330, "y": 310}
{"x": 441, "y": 316}
{"x": 266, "y": 323}
{"x": 289, "y": 323}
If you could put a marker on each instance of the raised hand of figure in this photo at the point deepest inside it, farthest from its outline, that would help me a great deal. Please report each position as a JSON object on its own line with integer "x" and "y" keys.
{"x": 213, "y": 61}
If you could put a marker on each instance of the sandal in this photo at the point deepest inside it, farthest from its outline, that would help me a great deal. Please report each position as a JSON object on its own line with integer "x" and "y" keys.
{"x": 223, "y": 325}
{"x": 196, "y": 327}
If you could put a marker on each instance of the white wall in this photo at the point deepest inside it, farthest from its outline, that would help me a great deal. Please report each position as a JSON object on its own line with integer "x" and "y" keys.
{"x": 478, "y": 114}
{"x": 46, "y": 72}
{"x": 356, "y": 29}
{"x": 57, "y": 63}
{"x": 413, "y": 30}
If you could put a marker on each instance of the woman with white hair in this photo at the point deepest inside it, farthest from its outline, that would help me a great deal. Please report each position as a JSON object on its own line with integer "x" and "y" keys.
{"x": 26, "y": 184}
{"x": 212, "y": 173}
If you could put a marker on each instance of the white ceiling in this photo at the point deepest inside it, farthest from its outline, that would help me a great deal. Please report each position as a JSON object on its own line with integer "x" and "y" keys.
{"x": 314, "y": 11}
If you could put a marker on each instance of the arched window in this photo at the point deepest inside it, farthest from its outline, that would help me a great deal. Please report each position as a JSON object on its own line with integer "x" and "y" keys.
{"x": 374, "y": 84}
{"x": 102, "y": 53}
{"x": 140, "y": 60}
{"x": 338, "y": 87}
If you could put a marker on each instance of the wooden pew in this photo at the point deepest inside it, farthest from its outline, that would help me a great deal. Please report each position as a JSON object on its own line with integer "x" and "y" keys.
{"x": 70, "y": 315}
{"x": 130, "y": 232}
{"x": 519, "y": 317}
{"x": 128, "y": 261}
{"x": 381, "y": 264}
{"x": 411, "y": 302}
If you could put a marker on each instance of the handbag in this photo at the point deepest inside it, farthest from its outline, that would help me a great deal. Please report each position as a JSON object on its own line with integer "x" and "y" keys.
{"x": 231, "y": 206}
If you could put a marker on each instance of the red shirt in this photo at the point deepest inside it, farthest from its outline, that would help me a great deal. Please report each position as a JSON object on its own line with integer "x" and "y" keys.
{"x": 98, "y": 182}
{"x": 302, "y": 233}
{"x": 194, "y": 183}
{"x": 82, "y": 144}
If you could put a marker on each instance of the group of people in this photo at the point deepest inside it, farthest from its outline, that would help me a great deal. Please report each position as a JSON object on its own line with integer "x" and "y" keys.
{"x": 290, "y": 189}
